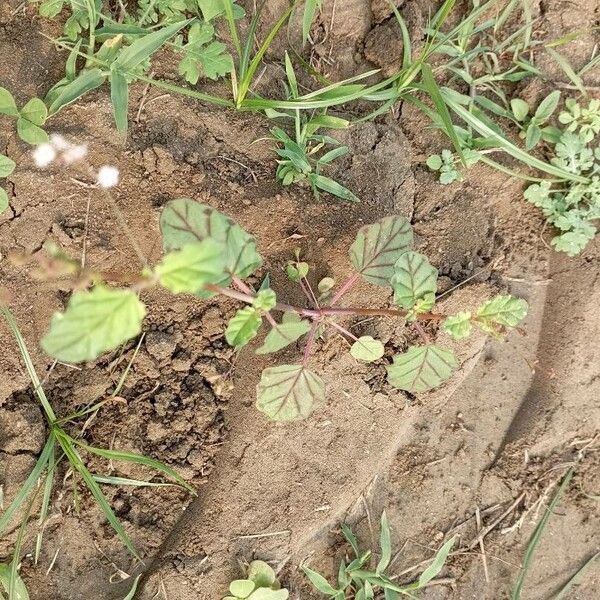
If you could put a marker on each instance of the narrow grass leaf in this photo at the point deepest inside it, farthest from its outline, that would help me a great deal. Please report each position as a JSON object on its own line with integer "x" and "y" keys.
{"x": 85, "y": 82}
{"x": 13, "y": 585}
{"x": 66, "y": 444}
{"x": 436, "y": 566}
{"x": 433, "y": 90}
{"x": 308, "y": 16}
{"x": 320, "y": 582}
{"x": 536, "y": 536}
{"x": 29, "y": 484}
{"x": 385, "y": 544}
{"x": 508, "y": 146}
{"x": 119, "y": 95}
{"x": 138, "y": 459}
{"x": 573, "y": 580}
{"x": 144, "y": 47}
{"x": 565, "y": 65}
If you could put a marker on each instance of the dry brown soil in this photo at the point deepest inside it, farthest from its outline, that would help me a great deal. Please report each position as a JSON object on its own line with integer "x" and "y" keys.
{"x": 492, "y": 443}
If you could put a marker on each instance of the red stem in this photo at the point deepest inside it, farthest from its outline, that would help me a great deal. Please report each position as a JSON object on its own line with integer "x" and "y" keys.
{"x": 326, "y": 310}
{"x": 344, "y": 288}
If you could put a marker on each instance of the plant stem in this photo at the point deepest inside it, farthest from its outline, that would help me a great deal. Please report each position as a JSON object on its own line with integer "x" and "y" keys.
{"x": 344, "y": 288}
{"x": 343, "y": 330}
{"x": 244, "y": 288}
{"x": 326, "y": 310}
{"x": 310, "y": 340}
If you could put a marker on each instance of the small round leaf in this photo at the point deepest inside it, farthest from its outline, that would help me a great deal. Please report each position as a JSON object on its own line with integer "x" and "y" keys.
{"x": 242, "y": 588}
{"x": 367, "y": 349}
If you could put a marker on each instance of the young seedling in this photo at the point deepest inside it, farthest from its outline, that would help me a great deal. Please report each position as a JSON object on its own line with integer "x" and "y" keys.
{"x": 573, "y": 207}
{"x": 208, "y": 254}
{"x": 260, "y": 583}
{"x": 302, "y": 159}
{"x": 29, "y": 119}
{"x": 61, "y": 445}
{"x": 449, "y": 166}
{"x": 7, "y": 166}
{"x": 533, "y": 128}
{"x": 356, "y": 580}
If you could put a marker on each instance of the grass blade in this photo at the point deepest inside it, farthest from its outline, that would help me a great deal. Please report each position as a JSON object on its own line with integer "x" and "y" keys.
{"x": 29, "y": 484}
{"x": 564, "y": 64}
{"x": 109, "y": 480}
{"x": 508, "y": 146}
{"x": 246, "y": 82}
{"x": 119, "y": 95}
{"x": 567, "y": 587}
{"x": 138, "y": 459}
{"x": 434, "y": 92}
{"x": 144, "y": 47}
{"x": 310, "y": 8}
{"x": 74, "y": 458}
{"x": 48, "y": 483}
{"x": 132, "y": 591}
{"x": 537, "y": 535}
{"x": 228, "y": 5}
{"x": 37, "y": 386}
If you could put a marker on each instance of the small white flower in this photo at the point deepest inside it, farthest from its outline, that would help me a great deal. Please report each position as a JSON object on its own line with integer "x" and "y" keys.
{"x": 59, "y": 142}
{"x": 108, "y": 176}
{"x": 43, "y": 155}
{"x": 74, "y": 153}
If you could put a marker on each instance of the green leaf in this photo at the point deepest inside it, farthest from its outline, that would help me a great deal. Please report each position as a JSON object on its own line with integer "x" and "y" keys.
{"x": 534, "y": 134}
{"x": 547, "y": 106}
{"x": 287, "y": 332}
{"x": 269, "y": 594}
{"x": 458, "y": 326}
{"x": 215, "y": 8}
{"x": 265, "y": 300}
{"x": 184, "y": 221}
{"x": 310, "y": 7}
{"x": 413, "y": 279}
{"x": 326, "y": 184}
{"x": 94, "y": 322}
{"x": 367, "y": 349}
{"x": 431, "y": 87}
{"x": 50, "y": 8}
{"x": 501, "y": 311}
{"x": 19, "y": 589}
{"x": 436, "y": 566}
{"x": 421, "y": 368}
{"x": 7, "y": 103}
{"x": 138, "y": 459}
{"x": 35, "y": 111}
{"x": 519, "y": 108}
{"x": 377, "y": 248}
{"x": 261, "y": 573}
{"x": 214, "y": 60}
{"x": 119, "y": 95}
{"x": 31, "y": 133}
{"x": 188, "y": 270}
{"x": 434, "y": 162}
{"x": 4, "y": 203}
{"x": 289, "y": 392}
{"x": 86, "y": 81}
{"x": 243, "y": 326}
{"x": 7, "y": 166}
{"x": 385, "y": 543}
{"x": 320, "y": 582}
{"x": 241, "y": 588}
{"x": 142, "y": 48}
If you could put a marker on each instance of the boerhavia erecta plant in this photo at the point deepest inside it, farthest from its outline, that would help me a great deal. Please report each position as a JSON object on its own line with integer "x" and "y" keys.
{"x": 208, "y": 254}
